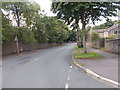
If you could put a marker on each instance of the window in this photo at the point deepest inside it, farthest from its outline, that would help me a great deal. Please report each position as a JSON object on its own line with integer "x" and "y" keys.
{"x": 119, "y": 32}
{"x": 115, "y": 32}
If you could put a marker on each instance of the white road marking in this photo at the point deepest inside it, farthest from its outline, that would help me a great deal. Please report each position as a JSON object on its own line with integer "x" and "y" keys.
{"x": 68, "y": 78}
{"x": 71, "y": 67}
{"x": 67, "y": 85}
{"x": 36, "y": 59}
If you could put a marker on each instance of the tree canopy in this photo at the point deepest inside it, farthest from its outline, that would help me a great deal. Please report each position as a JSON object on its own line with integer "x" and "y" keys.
{"x": 105, "y": 25}
{"x": 31, "y": 25}
{"x": 75, "y": 12}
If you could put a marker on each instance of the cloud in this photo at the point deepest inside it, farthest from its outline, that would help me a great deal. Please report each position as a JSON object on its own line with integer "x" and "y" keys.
{"x": 46, "y": 6}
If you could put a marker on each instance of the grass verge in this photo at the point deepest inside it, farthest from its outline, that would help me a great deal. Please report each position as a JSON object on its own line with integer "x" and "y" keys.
{"x": 89, "y": 55}
{"x": 63, "y": 44}
{"x": 77, "y": 48}
{"x": 102, "y": 49}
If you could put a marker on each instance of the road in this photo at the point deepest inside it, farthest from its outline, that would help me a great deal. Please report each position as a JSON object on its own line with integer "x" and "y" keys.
{"x": 46, "y": 68}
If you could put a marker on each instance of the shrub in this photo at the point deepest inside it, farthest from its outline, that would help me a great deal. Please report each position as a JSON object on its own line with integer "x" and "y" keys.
{"x": 95, "y": 36}
{"x": 77, "y": 48}
{"x": 25, "y": 35}
{"x": 8, "y": 33}
{"x": 110, "y": 37}
{"x": 80, "y": 44}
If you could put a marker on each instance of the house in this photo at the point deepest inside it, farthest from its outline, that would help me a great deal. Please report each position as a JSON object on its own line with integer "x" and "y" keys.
{"x": 112, "y": 31}
{"x": 100, "y": 31}
{"x": 103, "y": 33}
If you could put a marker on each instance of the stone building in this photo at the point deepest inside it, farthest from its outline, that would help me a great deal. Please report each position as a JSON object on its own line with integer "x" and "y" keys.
{"x": 112, "y": 31}
{"x": 103, "y": 33}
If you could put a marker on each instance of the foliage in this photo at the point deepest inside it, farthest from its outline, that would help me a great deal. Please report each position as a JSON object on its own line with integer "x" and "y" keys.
{"x": 40, "y": 31}
{"x": 80, "y": 44}
{"x": 25, "y": 35}
{"x": 21, "y": 11}
{"x": 109, "y": 37}
{"x": 95, "y": 36}
{"x": 88, "y": 28}
{"x": 1, "y": 35}
{"x": 106, "y": 25}
{"x": 8, "y": 33}
{"x": 21, "y": 17}
{"x": 77, "y": 48}
{"x": 71, "y": 35}
{"x": 57, "y": 31}
{"x": 117, "y": 22}
{"x": 73, "y": 12}
{"x": 31, "y": 26}
{"x": 81, "y": 55}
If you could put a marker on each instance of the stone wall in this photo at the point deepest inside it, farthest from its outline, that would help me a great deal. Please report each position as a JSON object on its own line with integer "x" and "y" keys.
{"x": 96, "y": 44}
{"x": 10, "y": 47}
{"x": 112, "y": 45}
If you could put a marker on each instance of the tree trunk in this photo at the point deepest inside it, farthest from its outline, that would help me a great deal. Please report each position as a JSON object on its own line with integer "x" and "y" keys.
{"x": 78, "y": 38}
{"x": 17, "y": 45}
{"x": 84, "y": 40}
{"x": 18, "y": 24}
{"x": 84, "y": 33}
{"x": 18, "y": 18}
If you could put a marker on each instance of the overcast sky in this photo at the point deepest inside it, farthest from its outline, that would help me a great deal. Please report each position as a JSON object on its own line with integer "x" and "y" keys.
{"x": 46, "y": 6}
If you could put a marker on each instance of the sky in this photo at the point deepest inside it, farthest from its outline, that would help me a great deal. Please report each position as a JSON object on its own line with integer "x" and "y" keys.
{"x": 46, "y": 6}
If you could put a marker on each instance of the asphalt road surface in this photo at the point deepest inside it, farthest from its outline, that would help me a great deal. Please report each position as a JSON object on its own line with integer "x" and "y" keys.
{"x": 46, "y": 68}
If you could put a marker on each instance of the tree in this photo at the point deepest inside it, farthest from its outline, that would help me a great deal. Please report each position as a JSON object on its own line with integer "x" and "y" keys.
{"x": 88, "y": 28}
{"x": 8, "y": 31}
{"x": 117, "y": 22}
{"x": 71, "y": 36}
{"x": 49, "y": 30}
{"x": 95, "y": 36}
{"x": 39, "y": 29}
{"x": 56, "y": 30}
{"x": 25, "y": 35}
{"x": 32, "y": 26}
{"x": 105, "y": 25}
{"x": 74, "y": 12}
{"x": 23, "y": 14}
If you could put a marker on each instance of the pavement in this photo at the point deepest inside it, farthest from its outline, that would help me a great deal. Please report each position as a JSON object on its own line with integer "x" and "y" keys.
{"x": 107, "y": 66}
{"x": 46, "y": 68}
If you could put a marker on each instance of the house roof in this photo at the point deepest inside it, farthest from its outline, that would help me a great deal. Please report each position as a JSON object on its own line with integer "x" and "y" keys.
{"x": 99, "y": 30}
{"x": 108, "y": 29}
{"x": 113, "y": 27}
